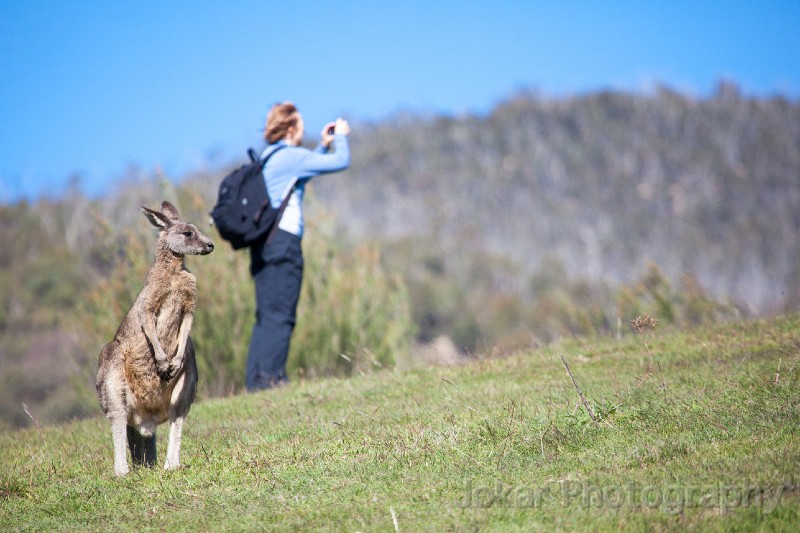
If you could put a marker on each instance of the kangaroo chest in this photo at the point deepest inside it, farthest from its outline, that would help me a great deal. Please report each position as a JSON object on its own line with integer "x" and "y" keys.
{"x": 176, "y": 305}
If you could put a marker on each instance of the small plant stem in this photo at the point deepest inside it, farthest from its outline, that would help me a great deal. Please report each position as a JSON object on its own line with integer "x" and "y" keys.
{"x": 583, "y": 398}
{"x": 663, "y": 383}
{"x": 541, "y": 442}
{"x": 33, "y": 419}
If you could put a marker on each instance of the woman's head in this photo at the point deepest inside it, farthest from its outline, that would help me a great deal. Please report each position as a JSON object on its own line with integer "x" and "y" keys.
{"x": 284, "y": 123}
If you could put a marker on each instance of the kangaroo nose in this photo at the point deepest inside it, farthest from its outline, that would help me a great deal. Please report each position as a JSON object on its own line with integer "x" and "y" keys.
{"x": 210, "y": 246}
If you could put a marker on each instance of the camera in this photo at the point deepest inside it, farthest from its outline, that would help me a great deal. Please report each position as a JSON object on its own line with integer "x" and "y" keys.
{"x": 331, "y": 130}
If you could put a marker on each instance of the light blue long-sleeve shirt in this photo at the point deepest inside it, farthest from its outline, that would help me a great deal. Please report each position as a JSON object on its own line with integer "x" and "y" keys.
{"x": 297, "y": 163}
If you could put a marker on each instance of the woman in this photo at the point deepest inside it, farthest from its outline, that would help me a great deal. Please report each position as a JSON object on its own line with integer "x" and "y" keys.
{"x": 277, "y": 267}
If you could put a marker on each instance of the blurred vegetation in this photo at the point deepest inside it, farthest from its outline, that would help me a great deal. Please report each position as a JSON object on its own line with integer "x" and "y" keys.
{"x": 545, "y": 218}
{"x": 601, "y": 185}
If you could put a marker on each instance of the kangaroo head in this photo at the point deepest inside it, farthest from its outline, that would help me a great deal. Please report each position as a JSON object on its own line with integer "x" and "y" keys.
{"x": 180, "y": 237}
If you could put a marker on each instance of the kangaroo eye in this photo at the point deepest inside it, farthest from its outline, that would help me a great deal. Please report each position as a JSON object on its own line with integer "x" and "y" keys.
{"x": 188, "y": 234}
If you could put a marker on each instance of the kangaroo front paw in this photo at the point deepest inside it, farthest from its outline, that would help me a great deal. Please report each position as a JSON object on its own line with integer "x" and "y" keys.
{"x": 167, "y": 371}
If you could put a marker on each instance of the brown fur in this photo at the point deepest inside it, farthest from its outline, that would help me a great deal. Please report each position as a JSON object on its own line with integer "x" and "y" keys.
{"x": 148, "y": 374}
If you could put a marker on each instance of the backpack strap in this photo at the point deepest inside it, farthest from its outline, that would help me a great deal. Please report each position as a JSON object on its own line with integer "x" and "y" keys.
{"x": 263, "y": 162}
{"x": 281, "y": 209}
{"x": 265, "y": 204}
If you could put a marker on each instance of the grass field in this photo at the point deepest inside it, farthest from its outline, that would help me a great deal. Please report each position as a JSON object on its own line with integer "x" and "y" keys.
{"x": 696, "y": 430}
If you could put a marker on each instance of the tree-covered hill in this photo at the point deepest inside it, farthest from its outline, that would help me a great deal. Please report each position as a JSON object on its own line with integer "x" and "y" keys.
{"x": 601, "y": 184}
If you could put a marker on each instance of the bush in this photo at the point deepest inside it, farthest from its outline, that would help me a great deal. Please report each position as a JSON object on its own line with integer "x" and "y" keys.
{"x": 353, "y": 316}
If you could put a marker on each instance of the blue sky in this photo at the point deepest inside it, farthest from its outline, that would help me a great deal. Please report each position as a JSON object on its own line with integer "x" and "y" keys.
{"x": 91, "y": 89}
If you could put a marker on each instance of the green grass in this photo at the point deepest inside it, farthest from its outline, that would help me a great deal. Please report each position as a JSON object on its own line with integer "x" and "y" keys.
{"x": 703, "y": 438}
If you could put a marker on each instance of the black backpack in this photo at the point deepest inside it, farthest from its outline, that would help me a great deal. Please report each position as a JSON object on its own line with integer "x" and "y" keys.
{"x": 243, "y": 213}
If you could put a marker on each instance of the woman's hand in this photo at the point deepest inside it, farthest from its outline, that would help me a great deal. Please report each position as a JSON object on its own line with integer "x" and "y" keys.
{"x": 340, "y": 127}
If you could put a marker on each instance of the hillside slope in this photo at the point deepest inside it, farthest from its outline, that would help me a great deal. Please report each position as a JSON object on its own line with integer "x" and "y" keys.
{"x": 697, "y": 430}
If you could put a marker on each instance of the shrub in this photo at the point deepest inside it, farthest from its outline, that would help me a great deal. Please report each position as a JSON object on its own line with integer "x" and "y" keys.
{"x": 353, "y": 315}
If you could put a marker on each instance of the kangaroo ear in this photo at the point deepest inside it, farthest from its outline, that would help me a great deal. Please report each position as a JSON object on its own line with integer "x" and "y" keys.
{"x": 170, "y": 211}
{"x": 157, "y": 219}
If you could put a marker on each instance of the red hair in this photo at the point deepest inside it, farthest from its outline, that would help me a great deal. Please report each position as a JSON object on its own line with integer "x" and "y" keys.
{"x": 280, "y": 119}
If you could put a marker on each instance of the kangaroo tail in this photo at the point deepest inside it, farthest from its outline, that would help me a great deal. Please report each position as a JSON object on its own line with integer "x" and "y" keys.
{"x": 143, "y": 449}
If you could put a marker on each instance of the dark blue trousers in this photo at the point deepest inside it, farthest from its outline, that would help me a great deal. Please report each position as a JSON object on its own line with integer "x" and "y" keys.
{"x": 278, "y": 273}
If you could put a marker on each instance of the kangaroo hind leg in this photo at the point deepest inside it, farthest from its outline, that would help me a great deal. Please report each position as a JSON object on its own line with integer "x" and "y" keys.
{"x": 174, "y": 446}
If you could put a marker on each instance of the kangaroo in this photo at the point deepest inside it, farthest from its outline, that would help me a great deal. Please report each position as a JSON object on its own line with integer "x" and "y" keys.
{"x": 148, "y": 374}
